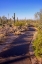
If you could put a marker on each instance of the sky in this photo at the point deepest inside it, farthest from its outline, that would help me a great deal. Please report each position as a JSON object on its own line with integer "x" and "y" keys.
{"x": 22, "y": 8}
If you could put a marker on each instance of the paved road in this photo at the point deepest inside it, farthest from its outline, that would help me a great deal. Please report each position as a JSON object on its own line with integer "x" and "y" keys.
{"x": 18, "y": 51}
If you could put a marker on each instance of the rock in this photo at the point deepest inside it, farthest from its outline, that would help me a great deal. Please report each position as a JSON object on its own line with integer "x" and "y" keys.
{"x": 40, "y": 60}
{"x": 17, "y": 33}
{"x": 24, "y": 28}
{"x": 1, "y": 36}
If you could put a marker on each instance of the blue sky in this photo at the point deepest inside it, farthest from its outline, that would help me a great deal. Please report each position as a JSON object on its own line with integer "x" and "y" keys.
{"x": 22, "y": 8}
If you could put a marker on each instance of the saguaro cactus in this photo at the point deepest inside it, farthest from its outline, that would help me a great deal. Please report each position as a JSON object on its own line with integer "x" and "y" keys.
{"x": 17, "y": 19}
{"x": 8, "y": 18}
{"x": 8, "y": 15}
{"x": 1, "y": 22}
{"x": 14, "y": 17}
{"x": 25, "y": 19}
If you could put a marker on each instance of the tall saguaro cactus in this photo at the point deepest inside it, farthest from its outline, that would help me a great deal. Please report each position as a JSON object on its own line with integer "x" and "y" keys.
{"x": 8, "y": 15}
{"x": 14, "y": 17}
{"x": 8, "y": 18}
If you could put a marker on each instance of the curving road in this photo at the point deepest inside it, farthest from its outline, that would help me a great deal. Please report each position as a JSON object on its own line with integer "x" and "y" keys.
{"x": 18, "y": 51}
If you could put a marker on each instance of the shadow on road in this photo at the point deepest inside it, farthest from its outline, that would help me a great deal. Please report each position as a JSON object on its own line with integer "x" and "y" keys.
{"x": 20, "y": 50}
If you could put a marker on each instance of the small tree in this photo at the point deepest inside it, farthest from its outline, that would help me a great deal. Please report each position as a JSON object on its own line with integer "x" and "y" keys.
{"x": 4, "y": 19}
{"x": 38, "y": 16}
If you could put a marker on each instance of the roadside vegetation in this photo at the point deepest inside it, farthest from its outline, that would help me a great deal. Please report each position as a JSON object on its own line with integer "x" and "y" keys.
{"x": 37, "y": 43}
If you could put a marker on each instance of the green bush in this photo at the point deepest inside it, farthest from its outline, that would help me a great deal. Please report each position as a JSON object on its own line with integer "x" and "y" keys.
{"x": 20, "y": 23}
{"x": 37, "y": 44}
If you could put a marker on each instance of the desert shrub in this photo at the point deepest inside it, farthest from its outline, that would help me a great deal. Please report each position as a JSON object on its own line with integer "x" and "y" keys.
{"x": 20, "y": 23}
{"x": 37, "y": 43}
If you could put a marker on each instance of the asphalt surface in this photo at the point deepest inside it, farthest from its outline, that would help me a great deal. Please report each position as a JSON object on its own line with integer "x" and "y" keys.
{"x": 18, "y": 51}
